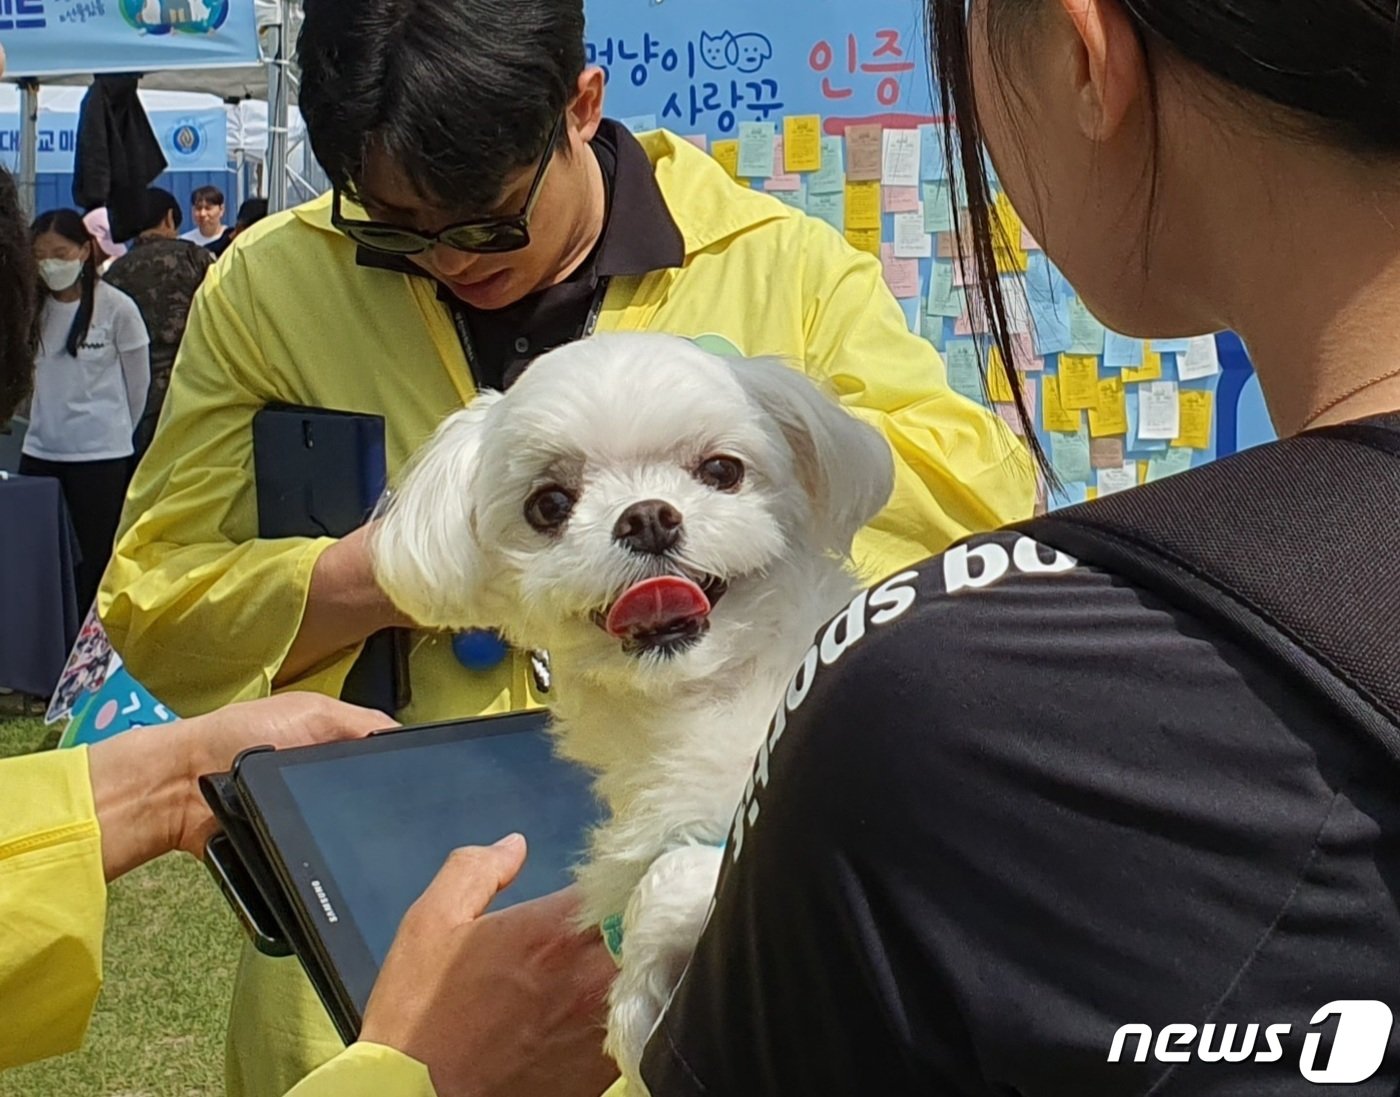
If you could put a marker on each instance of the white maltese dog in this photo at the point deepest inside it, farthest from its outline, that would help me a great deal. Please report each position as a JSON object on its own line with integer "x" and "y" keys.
{"x": 672, "y": 528}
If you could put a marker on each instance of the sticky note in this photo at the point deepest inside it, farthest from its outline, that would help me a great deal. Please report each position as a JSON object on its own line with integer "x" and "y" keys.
{"x": 972, "y": 320}
{"x": 797, "y": 199}
{"x": 943, "y": 299}
{"x": 1027, "y": 361}
{"x": 867, "y": 240}
{"x": 1201, "y": 359}
{"x": 781, "y": 180}
{"x": 932, "y": 329}
{"x": 1121, "y": 351}
{"x": 1009, "y": 221}
{"x": 938, "y": 207}
{"x": 1121, "y": 478}
{"x": 699, "y": 140}
{"x": 802, "y": 142}
{"x": 963, "y": 374}
{"x": 831, "y": 208}
{"x": 899, "y": 162}
{"x": 864, "y": 153}
{"x": 1159, "y": 410}
{"x": 1086, "y": 334}
{"x": 1150, "y": 370}
{"x": 901, "y": 275}
{"x": 998, "y": 383}
{"x": 1196, "y": 411}
{"x": 1171, "y": 346}
{"x": 863, "y": 205}
{"x": 727, "y": 153}
{"x": 1057, "y": 416}
{"x": 1110, "y": 415}
{"x": 910, "y": 239}
{"x": 1011, "y": 260}
{"x": 1029, "y": 242}
{"x": 899, "y": 200}
{"x": 1047, "y": 294}
{"x": 1018, "y": 314}
{"x": 640, "y": 123}
{"x": 830, "y": 178}
{"x": 755, "y": 150}
{"x": 1106, "y": 453}
{"x": 1079, "y": 381}
{"x": 933, "y": 163}
{"x": 1069, "y": 454}
{"x": 1168, "y": 464}
{"x": 1012, "y": 418}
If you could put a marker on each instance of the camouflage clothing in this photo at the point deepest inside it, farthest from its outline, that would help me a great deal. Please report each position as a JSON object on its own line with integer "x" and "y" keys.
{"x": 161, "y": 276}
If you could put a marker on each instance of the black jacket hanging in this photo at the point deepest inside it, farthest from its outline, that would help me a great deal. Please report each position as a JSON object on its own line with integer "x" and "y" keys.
{"x": 118, "y": 155}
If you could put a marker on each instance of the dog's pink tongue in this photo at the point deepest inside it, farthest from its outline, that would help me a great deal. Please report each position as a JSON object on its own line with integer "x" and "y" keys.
{"x": 655, "y": 604}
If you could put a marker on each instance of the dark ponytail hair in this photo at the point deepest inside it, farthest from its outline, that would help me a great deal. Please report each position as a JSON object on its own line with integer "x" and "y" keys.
{"x": 1330, "y": 68}
{"x": 16, "y": 301}
{"x": 69, "y": 224}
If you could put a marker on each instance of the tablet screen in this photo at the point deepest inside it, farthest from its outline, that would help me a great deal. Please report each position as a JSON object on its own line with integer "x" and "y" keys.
{"x": 363, "y": 828}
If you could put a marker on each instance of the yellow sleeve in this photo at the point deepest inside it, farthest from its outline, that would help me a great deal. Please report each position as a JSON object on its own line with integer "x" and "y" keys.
{"x": 367, "y": 1070}
{"x": 202, "y": 610}
{"x": 53, "y": 905}
{"x": 958, "y": 469}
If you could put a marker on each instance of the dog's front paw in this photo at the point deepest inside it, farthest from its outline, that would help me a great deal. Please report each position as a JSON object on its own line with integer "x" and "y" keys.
{"x": 663, "y": 921}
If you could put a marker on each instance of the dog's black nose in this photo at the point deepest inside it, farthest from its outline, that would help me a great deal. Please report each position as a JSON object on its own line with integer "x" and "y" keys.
{"x": 651, "y": 527}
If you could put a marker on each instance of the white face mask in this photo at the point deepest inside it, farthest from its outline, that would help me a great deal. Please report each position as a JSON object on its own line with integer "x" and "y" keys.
{"x": 60, "y": 274}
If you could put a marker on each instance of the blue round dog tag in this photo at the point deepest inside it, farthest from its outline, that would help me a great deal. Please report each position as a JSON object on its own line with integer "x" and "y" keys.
{"x": 479, "y": 649}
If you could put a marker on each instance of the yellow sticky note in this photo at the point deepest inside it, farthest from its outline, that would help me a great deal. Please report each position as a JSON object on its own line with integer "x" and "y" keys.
{"x": 1057, "y": 416}
{"x": 864, "y": 239}
{"x": 1111, "y": 415}
{"x": 1196, "y": 413}
{"x": 1142, "y": 472}
{"x": 1091, "y": 493}
{"x": 1079, "y": 380}
{"x": 802, "y": 142}
{"x": 1150, "y": 370}
{"x": 727, "y": 153}
{"x": 1009, "y": 220}
{"x": 1012, "y": 261}
{"x": 998, "y": 384}
{"x": 863, "y": 205}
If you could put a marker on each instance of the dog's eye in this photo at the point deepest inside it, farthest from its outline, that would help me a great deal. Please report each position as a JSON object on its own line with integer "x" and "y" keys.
{"x": 549, "y": 508}
{"x": 721, "y": 473}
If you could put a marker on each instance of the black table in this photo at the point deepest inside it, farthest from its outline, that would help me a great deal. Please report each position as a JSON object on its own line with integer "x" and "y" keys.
{"x": 38, "y": 602}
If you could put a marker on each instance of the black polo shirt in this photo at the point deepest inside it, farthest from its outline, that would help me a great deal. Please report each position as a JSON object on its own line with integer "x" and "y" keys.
{"x": 639, "y": 236}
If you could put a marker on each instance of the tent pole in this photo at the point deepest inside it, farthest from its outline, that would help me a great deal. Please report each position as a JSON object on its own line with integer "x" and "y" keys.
{"x": 277, "y": 113}
{"x": 29, "y": 147}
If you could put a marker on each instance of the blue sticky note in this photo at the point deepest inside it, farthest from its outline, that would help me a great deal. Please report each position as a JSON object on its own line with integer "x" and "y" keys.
{"x": 933, "y": 331}
{"x": 1048, "y": 296}
{"x": 1086, "y": 334}
{"x": 913, "y": 314}
{"x": 640, "y": 123}
{"x": 1170, "y": 346}
{"x": 963, "y": 374}
{"x": 1120, "y": 351}
{"x": 1069, "y": 455}
{"x": 755, "y": 150}
{"x": 938, "y": 207}
{"x": 943, "y": 299}
{"x": 1168, "y": 464}
{"x": 797, "y": 199}
{"x": 830, "y": 178}
{"x": 830, "y": 208}
{"x": 933, "y": 165}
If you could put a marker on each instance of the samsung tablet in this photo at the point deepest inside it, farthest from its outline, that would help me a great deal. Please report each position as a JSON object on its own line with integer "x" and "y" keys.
{"x": 355, "y": 831}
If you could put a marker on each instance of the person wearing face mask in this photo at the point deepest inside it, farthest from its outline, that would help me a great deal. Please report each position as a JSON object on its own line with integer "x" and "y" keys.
{"x": 90, "y": 381}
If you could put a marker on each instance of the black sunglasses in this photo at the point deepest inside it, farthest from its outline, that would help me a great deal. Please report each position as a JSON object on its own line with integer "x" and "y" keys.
{"x": 486, "y": 234}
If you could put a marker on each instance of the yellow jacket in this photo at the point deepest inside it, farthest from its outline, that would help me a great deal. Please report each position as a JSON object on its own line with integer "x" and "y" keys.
{"x": 53, "y": 906}
{"x": 204, "y": 613}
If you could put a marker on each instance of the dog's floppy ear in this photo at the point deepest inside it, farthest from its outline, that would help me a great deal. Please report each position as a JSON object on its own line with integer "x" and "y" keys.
{"x": 424, "y": 546}
{"x": 844, "y": 465}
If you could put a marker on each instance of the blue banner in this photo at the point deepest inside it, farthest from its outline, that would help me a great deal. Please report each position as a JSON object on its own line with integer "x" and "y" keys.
{"x": 191, "y": 140}
{"x": 75, "y": 37}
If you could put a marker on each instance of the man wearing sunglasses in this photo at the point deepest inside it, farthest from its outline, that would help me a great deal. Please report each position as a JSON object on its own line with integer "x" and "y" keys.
{"x": 483, "y": 211}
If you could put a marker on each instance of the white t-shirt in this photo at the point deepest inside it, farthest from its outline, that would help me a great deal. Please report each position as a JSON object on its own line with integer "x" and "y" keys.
{"x": 194, "y": 236}
{"x": 85, "y": 408}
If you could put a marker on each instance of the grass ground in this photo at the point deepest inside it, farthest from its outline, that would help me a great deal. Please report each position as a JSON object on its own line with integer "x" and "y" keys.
{"x": 171, "y": 949}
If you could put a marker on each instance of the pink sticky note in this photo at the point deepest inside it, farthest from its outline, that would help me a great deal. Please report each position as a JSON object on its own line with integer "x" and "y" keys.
{"x": 1023, "y": 347}
{"x": 699, "y": 140}
{"x": 900, "y": 199}
{"x": 971, "y": 322}
{"x": 781, "y": 180}
{"x": 901, "y": 275}
{"x": 1028, "y": 242}
{"x": 1011, "y": 419}
{"x": 962, "y": 273}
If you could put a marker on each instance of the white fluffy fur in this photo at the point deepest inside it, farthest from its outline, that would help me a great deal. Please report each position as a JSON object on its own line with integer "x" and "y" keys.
{"x": 620, "y": 419}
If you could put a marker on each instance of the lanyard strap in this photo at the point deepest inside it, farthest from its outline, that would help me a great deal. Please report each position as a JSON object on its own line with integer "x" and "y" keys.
{"x": 464, "y": 332}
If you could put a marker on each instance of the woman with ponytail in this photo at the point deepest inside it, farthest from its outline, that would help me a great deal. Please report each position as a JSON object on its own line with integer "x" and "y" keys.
{"x": 90, "y": 380}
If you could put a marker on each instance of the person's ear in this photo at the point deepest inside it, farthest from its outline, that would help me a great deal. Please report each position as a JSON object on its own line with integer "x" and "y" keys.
{"x": 585, "y": 110}
{"x": 1108, "y": 66}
